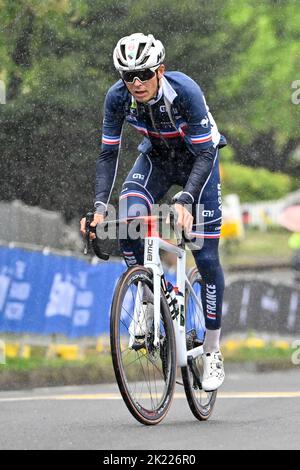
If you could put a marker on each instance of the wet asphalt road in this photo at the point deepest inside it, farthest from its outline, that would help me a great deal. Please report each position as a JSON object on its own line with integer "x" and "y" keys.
{"x": 253, "y": 411}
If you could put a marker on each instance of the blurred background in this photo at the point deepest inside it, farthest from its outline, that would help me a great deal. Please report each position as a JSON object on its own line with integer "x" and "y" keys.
{"x": 55, "y": 68}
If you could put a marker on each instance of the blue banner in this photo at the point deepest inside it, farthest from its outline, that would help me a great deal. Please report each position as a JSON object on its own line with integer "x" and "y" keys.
{"x": 47, "y": 294}
{"x": 54, "y": 294}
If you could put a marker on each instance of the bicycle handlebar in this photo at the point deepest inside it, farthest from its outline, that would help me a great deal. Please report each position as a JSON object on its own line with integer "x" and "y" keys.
{"x": 105, "y": 256}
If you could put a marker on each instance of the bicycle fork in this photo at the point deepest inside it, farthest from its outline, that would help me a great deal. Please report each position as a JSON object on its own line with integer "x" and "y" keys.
{"x": 152, "y": 261}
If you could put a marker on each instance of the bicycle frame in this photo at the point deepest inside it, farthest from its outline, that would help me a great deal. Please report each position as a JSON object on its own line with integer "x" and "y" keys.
{"x": 152, "y": 261}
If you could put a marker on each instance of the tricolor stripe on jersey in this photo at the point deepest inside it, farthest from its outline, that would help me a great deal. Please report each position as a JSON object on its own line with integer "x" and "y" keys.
{"x": 206, "y": 234}
{"x": 211, "y": 316}
{"x": 165, "y": 134}
{"x": 200, "y": 139}
{"x": 137, "y": 194}
{"x": 111, "y": 140}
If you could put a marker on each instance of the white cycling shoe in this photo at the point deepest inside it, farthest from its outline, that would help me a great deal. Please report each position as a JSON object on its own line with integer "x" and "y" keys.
{"x": 213, "y": 371}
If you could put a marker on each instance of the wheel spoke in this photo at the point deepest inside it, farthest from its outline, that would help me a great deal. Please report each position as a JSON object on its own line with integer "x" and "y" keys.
{"x": 200, "y": 402}
{"x": 139, "y": 365}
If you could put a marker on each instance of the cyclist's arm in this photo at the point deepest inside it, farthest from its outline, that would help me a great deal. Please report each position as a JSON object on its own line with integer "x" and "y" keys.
{"x": 199, "y": 136}
{"x": 107, "y": 161}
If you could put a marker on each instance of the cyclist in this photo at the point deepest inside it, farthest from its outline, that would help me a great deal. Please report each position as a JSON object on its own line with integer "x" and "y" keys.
{"x": 180, "y": 146}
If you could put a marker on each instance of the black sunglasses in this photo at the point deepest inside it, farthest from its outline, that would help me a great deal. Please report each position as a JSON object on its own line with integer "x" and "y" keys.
{"x": 141, "y": 75}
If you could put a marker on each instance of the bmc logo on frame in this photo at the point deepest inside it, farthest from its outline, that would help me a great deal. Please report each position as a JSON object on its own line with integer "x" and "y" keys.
{"x": 2, "y": 92}
{"x": 150, "y": 250}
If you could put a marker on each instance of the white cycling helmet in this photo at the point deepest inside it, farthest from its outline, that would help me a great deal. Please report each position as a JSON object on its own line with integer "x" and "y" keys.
{"x": 138, "y": 52}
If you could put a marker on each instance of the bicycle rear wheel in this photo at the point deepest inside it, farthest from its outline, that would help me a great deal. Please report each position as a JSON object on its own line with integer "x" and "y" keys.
{"x": 200, "y": 402}
{"x": 145, "y": 374}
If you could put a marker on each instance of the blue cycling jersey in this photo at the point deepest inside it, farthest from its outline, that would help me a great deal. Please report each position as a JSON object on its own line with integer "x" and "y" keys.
{"x": 177, "y": 119}
{"x": 179, "y": 146}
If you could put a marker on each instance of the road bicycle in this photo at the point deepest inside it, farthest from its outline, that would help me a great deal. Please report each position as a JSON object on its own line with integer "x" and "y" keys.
{"x": 155, "y": 327}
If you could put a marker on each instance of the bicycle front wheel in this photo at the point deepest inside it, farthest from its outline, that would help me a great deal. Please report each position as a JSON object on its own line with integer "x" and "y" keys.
{"x": 200, "y": 402}
{"x": 145, "y": 373}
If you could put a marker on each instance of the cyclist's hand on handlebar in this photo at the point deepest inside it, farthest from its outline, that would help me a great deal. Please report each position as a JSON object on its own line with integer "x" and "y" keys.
{"x": 184, "y": 219}
{"x": 98, "y": 219}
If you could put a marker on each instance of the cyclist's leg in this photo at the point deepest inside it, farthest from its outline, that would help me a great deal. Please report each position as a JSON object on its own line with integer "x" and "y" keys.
{"x": 208, "y": 213}
{"x": 209, "y": 266}
{"x": 145, "y": 184}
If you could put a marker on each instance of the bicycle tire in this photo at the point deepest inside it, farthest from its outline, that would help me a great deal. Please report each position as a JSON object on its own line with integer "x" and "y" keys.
{"x": 167, "y": 375}
{"x": 201, "y": 403}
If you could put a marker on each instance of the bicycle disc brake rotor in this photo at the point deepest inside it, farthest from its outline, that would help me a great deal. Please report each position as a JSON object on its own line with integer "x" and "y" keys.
{"x": 153, "y": 351}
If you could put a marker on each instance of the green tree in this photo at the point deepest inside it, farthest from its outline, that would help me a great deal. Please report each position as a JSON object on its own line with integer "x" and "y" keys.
{"x": 255, "y": 94}
{"x": 56, "y": 60}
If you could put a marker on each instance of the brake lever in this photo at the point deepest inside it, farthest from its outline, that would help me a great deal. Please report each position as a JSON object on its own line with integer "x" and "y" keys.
{"x": 94, "y": 243}
{"x": 88, "y": 229}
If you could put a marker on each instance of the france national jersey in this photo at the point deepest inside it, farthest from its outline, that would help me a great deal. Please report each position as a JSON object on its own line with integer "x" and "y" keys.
{"x": 179, "y": 147}
{"x": 178, "y": 119}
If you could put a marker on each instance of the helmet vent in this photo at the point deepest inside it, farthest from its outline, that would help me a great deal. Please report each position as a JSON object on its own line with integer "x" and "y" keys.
{"x": 140, "y": 49}
{"x": 145, "y": 60}
{"x": 122, "y": 49}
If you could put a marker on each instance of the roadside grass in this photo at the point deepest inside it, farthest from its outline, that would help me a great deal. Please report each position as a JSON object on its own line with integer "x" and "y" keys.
{"x": 34, "y": 363}
{"x": 247, "y": 350}
{"x": 267, "y": 354}
{"x": 34, "y": 372}
{"x": 254, "y": 348}
{"x": 257, "y": 247}
{"x": 20, "y": 373}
